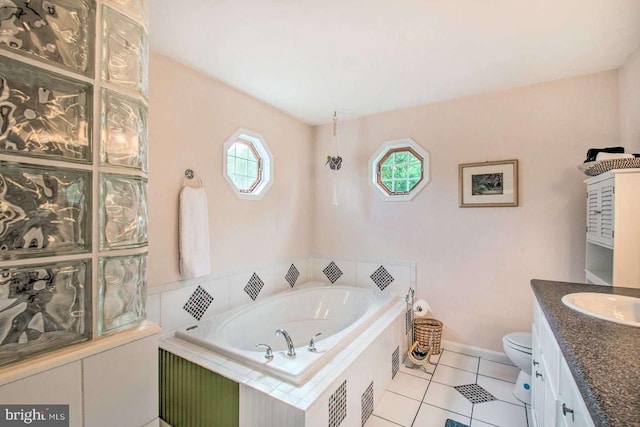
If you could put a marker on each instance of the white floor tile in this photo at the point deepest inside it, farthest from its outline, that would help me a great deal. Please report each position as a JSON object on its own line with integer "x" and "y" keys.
{"x": 398, "y": 409}
{"x": 497, "y": 370}
{"x": 452, "y": 376}
{"x": 430, "y": 416}
{"x": 478, "y": 423}
{"x": 374, "y": 421}
{"x": 459, "y": 361}
{"x": 418, "y": 371}
{"x": 501, "y": 414}
{"x": 409, "y": 386}
{"x": 436, "y": 357}
{"x": 446, "y": 397}
{"x": 501, "y": 390}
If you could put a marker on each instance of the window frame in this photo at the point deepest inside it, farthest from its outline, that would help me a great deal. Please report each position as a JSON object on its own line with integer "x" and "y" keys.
{"x": 387, "y": 149}
{"x": 388, "y": 154}
{"x": 260, "y": 150}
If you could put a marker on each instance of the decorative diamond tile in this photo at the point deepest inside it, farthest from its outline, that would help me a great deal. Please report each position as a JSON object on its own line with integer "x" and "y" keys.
{"x": 254, "y": 286}
{"x": 292, "y": 275}
{"x": 395, "y": 362}
{"x": 367, "y": 404}
{"x": 382, "y": 278}
{"x": 198, "y": 303}
{"x": 475, "y": 393}
{"x": 338, "y": 405}
{"x": 332, "y": 272}
{"x": 407, "y": 322}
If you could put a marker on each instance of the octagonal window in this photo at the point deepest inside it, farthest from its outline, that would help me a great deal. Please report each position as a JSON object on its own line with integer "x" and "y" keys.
{"x": 244, "y": 165}
{"x": 247, "y": 164}
{"x": 399, "y": 169}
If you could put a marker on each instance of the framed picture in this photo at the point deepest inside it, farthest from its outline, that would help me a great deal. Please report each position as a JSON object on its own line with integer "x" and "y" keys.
{"x": 489, "y": 184}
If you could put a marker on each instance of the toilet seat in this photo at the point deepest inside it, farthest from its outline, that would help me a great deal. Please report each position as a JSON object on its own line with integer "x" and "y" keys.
{"x": 520, "y": 341}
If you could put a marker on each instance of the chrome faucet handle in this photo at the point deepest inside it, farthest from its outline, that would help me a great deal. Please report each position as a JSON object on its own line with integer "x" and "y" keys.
{"x": 312, "y": 343}
{"x": 269, "y": 354}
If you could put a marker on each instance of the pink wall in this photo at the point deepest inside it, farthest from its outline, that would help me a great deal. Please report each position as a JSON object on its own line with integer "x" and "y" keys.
{"x": 474, "y": 264}
{"x": 630, "y": 102}
{"x": 191, "y": 116}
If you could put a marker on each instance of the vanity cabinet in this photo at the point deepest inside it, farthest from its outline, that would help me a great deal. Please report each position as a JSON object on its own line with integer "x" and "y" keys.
{"x": 572, "y": 410}
{"x": 613, "y": 228}
{"x": 555, "y": 398}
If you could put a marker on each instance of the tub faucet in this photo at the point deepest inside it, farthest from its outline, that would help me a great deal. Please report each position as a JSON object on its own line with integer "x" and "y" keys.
{"x": 291, "y": 350}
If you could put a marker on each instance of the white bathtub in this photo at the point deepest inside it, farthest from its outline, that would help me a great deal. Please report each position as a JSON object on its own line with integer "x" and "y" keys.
{"x": 338, "y": 312}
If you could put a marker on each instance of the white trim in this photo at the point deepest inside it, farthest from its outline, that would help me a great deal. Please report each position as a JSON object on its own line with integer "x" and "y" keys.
{"x": 53, "y": 359}
{"x": 381, "y": 152}
{"x": 267, "y": 163}
{"x": 494, "y": 356}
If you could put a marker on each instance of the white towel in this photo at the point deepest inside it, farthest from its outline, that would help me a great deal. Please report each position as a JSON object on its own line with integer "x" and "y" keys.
{"x": 609, "y": 156}
{"x": 194, "y": 233}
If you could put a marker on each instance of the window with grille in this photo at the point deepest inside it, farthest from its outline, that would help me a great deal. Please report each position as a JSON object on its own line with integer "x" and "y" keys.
{"x": 399, "y": 169}
{"x": 247, "y": 164}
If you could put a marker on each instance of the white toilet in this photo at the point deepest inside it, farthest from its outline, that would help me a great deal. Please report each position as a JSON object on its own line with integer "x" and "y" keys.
{"x": 517, "y": 346}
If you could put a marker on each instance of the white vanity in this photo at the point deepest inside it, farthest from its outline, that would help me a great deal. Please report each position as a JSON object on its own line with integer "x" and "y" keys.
{"x": 584, "y": 369}
{"x": 555, "y": 399}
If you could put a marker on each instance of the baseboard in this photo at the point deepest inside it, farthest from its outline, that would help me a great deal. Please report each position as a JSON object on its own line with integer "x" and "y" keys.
{"x": 495, "y": 356}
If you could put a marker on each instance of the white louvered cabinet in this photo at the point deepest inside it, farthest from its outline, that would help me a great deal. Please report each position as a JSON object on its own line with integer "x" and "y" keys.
{"x": 613, "y": 228}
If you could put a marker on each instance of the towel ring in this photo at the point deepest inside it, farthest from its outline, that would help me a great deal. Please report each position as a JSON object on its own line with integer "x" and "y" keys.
{"x": 189, "y": 174}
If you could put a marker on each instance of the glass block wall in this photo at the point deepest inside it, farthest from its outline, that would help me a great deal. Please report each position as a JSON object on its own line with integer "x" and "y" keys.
{"x": 73, "y": 172}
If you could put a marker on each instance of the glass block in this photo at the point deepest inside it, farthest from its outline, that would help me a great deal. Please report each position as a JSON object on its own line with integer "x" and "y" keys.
{"x": 44, "y": 114}
{"x": 59, "y": 32}
{"x": 43, "y": 211}
{"x": 121, "y": 298}
{"x": 125, "y": 52}
{"x": 125, "y": 138}
{"x": 43, "y": 308}
{"x": 135, "y": 8}
{"x": 123, "y": 214}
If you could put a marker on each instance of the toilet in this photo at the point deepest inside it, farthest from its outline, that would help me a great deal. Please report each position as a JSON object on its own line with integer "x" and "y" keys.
{"x": 517, "y": 346}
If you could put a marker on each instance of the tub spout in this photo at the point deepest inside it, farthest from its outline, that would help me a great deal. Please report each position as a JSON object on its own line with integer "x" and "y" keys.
{"x": 291, "y": 350}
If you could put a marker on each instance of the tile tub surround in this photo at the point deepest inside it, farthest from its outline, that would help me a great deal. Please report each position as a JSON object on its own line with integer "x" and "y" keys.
{"x": 602, "y": 355}
{"x": 357, "y": 364}
{"x": 166, "y": 303}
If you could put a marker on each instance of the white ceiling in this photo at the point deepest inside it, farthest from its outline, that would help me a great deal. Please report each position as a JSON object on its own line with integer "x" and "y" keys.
{"x": 310, "y": 57}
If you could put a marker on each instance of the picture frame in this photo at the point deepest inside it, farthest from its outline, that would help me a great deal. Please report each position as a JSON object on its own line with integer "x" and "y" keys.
{"x": 488, "y": 184}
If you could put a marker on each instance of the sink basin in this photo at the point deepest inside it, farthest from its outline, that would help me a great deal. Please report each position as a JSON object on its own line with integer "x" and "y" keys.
{"x": 614, "y": 308}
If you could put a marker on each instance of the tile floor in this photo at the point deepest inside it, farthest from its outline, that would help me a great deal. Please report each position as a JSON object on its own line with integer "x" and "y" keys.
{"x": 416, "y": 398}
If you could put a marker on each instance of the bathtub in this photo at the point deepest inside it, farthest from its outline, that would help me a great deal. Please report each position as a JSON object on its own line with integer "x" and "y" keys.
{"x": 339, "y": 313}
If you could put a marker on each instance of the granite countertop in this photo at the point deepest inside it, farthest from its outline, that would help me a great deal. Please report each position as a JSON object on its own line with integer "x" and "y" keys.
{"x": 603, "y": 356}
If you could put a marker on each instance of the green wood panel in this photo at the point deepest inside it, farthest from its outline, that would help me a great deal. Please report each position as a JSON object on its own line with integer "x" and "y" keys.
{"x": 192, "y": 396}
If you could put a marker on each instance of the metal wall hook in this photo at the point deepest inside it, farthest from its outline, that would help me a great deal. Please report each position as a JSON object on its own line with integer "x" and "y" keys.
{"x": 189, "y": 174}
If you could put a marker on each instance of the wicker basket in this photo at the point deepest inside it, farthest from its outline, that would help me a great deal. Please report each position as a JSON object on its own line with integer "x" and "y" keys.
{"x": 602, "y": 166}
{"x": 429, "y": 333}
